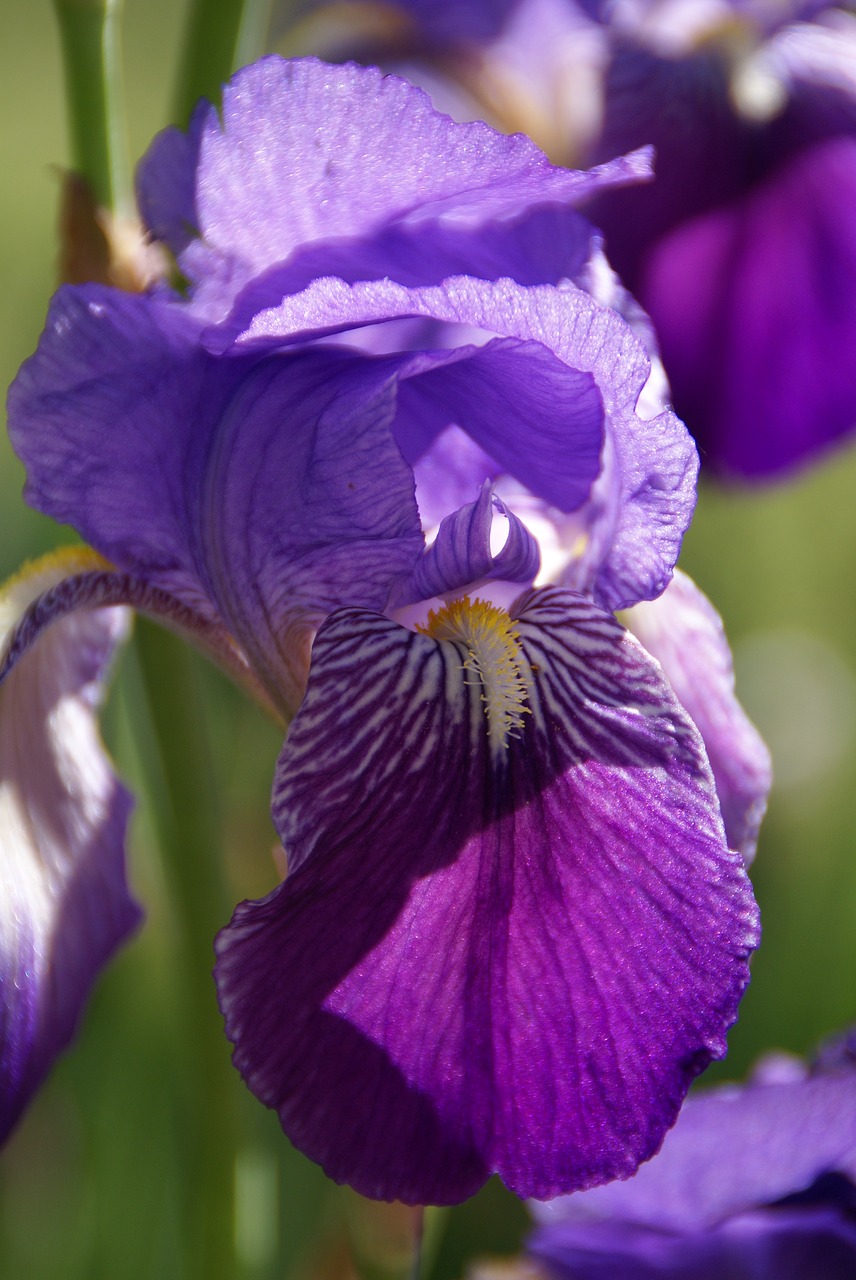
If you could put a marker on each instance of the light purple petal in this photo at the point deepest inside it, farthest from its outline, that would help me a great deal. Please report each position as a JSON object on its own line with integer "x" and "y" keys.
{"x": 542, "y": 247}
{"x": 309, "y": 152}
{"x": 683, "y": 631}
{"x": 461, "y": 554}
{"x": 804, "y": 1244}
{"x": 734, "y": 1149}
{"x": 755, "y": 308}
{"x": 64, "y": 905}
{"x": 506, "y": 953}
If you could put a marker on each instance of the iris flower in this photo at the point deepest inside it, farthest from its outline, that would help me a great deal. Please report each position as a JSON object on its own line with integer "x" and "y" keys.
{"x": 755, "y": 1182}
{"x": 743, "y": 249}
{"x": 512, "y": 929}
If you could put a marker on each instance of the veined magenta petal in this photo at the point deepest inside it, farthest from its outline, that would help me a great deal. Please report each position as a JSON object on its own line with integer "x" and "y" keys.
{"x": 304, "y": 151}
{"x": 461, "y": 554}
{"x": 504, "y": 956}
{"x": 65, "y": 905}
{"x": 683, "y": 631}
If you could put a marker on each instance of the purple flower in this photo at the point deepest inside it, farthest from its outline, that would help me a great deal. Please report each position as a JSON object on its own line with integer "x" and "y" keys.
{"x": 743, "y": 249}
{"x": 755, "y": 1183}
{"x": 512, "y": 931}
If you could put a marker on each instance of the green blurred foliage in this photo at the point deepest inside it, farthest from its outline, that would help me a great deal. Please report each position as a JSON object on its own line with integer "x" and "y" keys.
{"x": 122, "y": 1161}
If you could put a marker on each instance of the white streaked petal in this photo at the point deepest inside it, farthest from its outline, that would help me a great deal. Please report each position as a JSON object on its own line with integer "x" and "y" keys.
{"x": 64, "y": 905}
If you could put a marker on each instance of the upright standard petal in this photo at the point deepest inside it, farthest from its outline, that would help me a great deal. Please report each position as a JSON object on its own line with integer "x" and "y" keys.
{"x": 512, "y": 933}
{"x": 683, "y": 631}
{"x": 65, "y": 905}
{"x": 306, "y": 152}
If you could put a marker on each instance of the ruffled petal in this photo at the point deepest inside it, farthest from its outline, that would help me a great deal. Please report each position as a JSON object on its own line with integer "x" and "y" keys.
{"x": 65, "y": 905}
{"x": 303, "y": 151}
{"x": 644, "y": 498}
{"x": 511, "y": 933}
{"x": 683, "y": 631}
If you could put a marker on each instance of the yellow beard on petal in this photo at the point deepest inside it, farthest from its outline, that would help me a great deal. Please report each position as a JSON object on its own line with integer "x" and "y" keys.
{"x": 494, "y": 658}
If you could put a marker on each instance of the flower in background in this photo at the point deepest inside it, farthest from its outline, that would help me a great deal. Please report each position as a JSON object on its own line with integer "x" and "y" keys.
{"x": 743, "y": 251}
{"x": 755, "y": 1182}
{"x": 512, "y": 931}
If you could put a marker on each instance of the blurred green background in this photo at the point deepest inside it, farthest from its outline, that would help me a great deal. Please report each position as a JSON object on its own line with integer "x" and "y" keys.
{"x": 145, "y": 1157}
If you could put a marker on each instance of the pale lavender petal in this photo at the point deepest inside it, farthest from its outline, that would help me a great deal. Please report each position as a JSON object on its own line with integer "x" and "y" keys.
{"x": 492, "y": 953}
{"x": 683, "y": 631}
{"x": 807, "y": 1244}
{"x": 303, "y": 151}
{"x": 461, "y": 553}
{"x": 65, "y": 905}
{"x": 734, "y": 1149}
{"x": 761, "y": 359}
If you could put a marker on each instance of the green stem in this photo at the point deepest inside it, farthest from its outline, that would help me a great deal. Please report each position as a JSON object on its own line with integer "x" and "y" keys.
{"x": 89, "y": 37}
{"x": 221, "y": 36}
{"x": 191, "y": 837}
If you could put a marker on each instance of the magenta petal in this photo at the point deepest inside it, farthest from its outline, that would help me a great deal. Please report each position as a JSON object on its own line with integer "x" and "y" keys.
{"x": 64, "y": 905}
{"x": 487, "y": 958}
{"x": 754, "y": 308}
{"x": 683, "y": 631}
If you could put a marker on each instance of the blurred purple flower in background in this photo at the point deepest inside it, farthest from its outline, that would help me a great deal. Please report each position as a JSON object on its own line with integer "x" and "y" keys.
{"x": 743, "y": 251}
{"x": 512, "y": 931}
{"x": 755, "y": 1182}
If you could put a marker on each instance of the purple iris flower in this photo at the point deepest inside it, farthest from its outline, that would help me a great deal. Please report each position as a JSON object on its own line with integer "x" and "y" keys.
{"x": 512, "y": 930}
{"x": 755, "y": 1182}
{"x": 743, "y": 249}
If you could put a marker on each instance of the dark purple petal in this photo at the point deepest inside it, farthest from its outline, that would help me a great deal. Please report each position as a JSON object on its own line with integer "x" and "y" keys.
{"x": 511, "y": 933}
{"x": 64, "y": 905}
{"x": 309, "y": 152}
{"x": 683, "y": 631}
{"x": 461, "y": 554}
{"x": 810, "y": 1244}
{"x": 755, "y": 308}
{"x": 260, "y": 493}
{"x": 733, "y": 1150}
